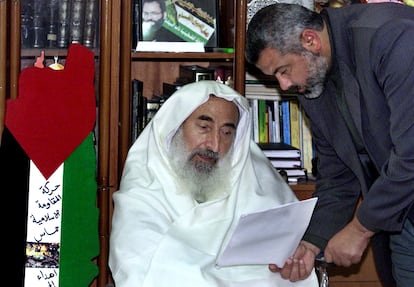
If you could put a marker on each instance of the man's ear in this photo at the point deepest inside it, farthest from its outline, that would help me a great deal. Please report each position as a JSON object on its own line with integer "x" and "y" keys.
{"x": 311, "y": 41}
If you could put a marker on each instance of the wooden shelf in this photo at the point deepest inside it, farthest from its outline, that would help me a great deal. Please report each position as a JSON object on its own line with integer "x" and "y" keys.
{"x": 208, "y": 56}
{"x": 303, "y": 190}
{"x": 28, "y": 53}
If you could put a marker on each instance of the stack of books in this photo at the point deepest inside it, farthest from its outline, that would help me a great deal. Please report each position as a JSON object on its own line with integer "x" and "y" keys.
{"x": 277, "y": 116}
{"x": 142, "y": 109}
{"x": 285, "y": 157}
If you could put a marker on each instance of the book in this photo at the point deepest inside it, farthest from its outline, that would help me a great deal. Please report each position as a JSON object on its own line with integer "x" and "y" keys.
{"x": 39, "y": 33}
{"x": 270, "y": 120}
{"x": 286, "y": 162}
{"x": 90, "y": 23}
{"x": 259, "y": 96}
{"x": 263, "y": 128}
{"x": 137, "y": 110}
{"x": 262, "y": 89}
{"x": 296, "y": 172}
{"x": 77, "y": 12}
{"x": 276, "y": 124}
{"x": 307, "y": 143}
{"x": 254, "y": 107}
{"x": 285, "y": 121}
{"x": 135, "y": 20}
{"x": 279, "y": 150}
{"x": 63, "y": 24}
{"x": 51, "y": 22}
{"x": 26, "y": 18}
{"x": 293, "y": 175}
{"x": 295, "y": 121}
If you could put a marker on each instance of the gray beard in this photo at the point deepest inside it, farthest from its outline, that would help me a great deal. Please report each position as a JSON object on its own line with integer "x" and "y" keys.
{"x": 203, "y": 183}
{"x": 317, "y": 70}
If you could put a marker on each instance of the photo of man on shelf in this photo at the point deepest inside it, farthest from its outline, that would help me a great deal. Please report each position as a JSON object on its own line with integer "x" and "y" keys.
{"x": 153, "y": 16}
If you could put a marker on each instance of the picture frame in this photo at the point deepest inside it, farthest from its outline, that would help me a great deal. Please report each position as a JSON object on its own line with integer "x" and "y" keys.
{"x": 176, "y": 21}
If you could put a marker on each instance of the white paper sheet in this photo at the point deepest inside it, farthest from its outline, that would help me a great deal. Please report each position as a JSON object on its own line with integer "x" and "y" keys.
{"x": 270, "y": 236}
{"x": 175, "y": 47}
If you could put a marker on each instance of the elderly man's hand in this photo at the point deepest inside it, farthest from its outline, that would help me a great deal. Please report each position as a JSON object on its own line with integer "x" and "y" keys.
{"x": 300, "y": 265}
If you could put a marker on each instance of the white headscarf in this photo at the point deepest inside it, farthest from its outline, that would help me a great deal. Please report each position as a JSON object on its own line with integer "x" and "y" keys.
{"x": 162, "y": 237}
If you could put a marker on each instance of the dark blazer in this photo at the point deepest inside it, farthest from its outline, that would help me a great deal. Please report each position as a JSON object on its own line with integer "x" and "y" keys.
{"x": 373, "y": 50}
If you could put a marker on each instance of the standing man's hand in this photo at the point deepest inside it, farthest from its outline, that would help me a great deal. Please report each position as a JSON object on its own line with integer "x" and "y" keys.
{"x": 348, "y": 245}
{"x": 300, "y": 265}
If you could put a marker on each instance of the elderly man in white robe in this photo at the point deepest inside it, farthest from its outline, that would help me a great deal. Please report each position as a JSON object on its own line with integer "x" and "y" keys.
{"x": 189, "y": 176}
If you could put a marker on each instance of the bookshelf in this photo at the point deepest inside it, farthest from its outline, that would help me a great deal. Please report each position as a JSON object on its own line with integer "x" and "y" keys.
{"x": 278, "y": 116}
{"x": 116, "y": 65}
{"x": 155, "y": 68}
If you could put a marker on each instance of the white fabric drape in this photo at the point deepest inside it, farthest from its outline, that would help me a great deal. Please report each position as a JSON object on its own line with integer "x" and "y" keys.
{"x": 162, "y": 237}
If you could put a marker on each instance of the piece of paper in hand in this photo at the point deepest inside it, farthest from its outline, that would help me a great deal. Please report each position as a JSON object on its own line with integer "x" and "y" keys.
{"x": 269, "y": 236}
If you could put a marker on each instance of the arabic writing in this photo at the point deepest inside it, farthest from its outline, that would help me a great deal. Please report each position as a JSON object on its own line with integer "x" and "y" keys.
{"x": 43, "y": 228}
{"x": 190, "y": 7}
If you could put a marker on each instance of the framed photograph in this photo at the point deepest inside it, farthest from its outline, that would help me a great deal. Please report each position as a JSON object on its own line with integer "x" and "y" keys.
{"x": 177, "y": 21}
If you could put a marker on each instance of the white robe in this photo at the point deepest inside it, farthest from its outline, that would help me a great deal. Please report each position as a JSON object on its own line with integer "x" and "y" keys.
{"x": 161, "y": 237}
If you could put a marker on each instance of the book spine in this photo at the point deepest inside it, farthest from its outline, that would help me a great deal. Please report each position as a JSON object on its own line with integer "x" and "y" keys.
{"x": 276, "y": 113}
{"x": 307, "y": 145}
{"x": 136, "y": 22}
{"x": 63, "y": 24}
{"x": 286, "y": 121}
{"x": 142, "y": 107}
{"x": 254, "y": 105}
{"x": 90, "y": 23}
{"x": 270, "y": 121}
{"x": 134, "y": 111}
{"x": 39, "y": 33}
{"x": 294, "y": 123}
{"x": 77, "y": 21}
{"x": 26, "y": 24}
{"x": 52, "y": 10}
{"x": 281, "y": 121}
{"x": 142, "y": 110}
{"x": 262, "y": 121}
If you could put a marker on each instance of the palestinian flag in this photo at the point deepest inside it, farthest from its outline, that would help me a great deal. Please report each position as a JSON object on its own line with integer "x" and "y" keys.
{"x": 48, "y": 176}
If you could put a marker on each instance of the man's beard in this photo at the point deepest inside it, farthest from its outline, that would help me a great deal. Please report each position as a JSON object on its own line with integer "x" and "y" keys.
{"x": 203, "y": 180}
{"x": 317, "y": 70}
{"x": 150, "y": 28}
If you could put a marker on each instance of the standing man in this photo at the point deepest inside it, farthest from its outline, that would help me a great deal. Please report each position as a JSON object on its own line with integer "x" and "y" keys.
{"x": 353, "y": 68}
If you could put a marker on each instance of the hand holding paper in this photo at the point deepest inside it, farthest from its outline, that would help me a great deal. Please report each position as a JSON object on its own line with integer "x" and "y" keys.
{"x": 270, "y": 236}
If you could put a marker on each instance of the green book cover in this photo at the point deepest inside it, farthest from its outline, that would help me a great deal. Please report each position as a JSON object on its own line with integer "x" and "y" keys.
{"x": 262, "y": 121}
{"x": 190, "y": 23}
